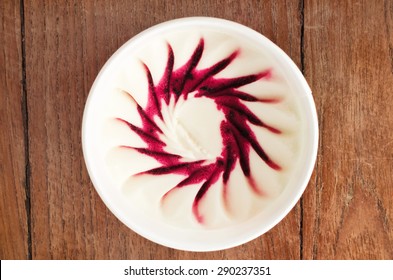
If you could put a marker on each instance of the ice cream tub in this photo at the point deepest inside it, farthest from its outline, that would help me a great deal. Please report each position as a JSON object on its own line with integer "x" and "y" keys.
{"x": 200, "y": 134}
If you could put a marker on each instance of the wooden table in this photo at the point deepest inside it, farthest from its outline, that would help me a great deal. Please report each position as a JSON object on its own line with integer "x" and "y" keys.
{"x": 51, "y": 52}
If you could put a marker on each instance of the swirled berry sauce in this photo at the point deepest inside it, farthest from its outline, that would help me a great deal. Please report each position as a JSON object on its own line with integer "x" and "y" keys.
{"x": 245, "y": 106}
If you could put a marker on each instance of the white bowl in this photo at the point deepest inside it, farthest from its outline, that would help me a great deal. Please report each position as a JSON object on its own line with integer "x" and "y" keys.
{"x": 203, "y": 239}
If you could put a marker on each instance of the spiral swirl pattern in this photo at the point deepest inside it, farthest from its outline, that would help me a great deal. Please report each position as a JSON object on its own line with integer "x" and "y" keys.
{"x": 177, "y": 86}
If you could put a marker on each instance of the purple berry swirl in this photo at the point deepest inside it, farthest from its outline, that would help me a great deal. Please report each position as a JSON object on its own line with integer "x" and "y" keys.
{"x": 238, "y": 140}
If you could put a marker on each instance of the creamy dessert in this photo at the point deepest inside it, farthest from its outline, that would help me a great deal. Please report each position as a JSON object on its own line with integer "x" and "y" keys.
{"x": 200, "y": 128}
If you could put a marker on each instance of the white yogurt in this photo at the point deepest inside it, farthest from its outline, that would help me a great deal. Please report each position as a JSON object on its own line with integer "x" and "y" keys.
{"x": 191, "y": 129}
{"x": 202, "y": 130}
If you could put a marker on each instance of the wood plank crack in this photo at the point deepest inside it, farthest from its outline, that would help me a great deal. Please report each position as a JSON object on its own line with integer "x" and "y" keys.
{"x": 301, "y": 13}
{"x": 25, "y": 116}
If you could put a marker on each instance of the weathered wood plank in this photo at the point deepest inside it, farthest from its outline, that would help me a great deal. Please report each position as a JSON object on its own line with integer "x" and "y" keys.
{"x": 14, "y": 218}
{"x": 348, "y": 209}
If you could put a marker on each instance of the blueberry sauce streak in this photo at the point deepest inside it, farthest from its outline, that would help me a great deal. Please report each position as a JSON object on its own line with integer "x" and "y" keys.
{"x": 162, "y": 157}
{"x": 184, "y": 168}
{"x": 183, "y": 74}
{"x": 149, "y": 123}
{"x": 164, "y": 86}
{"x": 198, "y": 175}
{"x": 214, "y": 176}
{"x": 153, "y": 104}
{"x": 147, "y": 136}
{"x": 200, "y": 78}
{"x": 237, "y": 136}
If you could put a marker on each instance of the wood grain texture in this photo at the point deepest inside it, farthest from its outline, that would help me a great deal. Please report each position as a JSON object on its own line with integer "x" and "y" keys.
{"x": 345, "y": 49}
{"x": 13, "y": 221}
{"x": 348, "y": 209}
{"x": 67, "y": 42}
